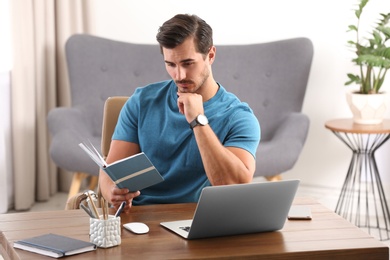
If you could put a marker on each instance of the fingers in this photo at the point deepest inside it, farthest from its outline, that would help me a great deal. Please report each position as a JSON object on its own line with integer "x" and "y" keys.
{"x": 120, "y": 195}
{"x": 180, "y": 106}
{"x": 190, "y": 105}
{"x": 127, "y": 207}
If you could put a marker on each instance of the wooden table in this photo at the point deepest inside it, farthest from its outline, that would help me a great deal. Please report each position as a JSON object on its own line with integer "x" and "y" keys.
{"x": 326, "y": 236}
{"x": 362, "y": 199}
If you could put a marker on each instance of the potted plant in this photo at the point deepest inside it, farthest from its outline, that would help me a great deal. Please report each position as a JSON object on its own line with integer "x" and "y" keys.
{"x": 373, "y": 60}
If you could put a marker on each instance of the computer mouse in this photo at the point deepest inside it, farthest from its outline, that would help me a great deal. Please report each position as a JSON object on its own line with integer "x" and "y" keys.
{"x": 137, "y": 227}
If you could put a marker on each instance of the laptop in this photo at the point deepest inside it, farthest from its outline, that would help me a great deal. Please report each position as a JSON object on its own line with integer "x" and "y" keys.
{"x": 238, "y": 209}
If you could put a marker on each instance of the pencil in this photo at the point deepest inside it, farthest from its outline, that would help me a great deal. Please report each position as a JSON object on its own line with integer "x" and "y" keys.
{"x": 103, "y": 209}
{"x": 106, "y": 206}
{"x": 103, "y": 203}
{"x": 95, "y": 211}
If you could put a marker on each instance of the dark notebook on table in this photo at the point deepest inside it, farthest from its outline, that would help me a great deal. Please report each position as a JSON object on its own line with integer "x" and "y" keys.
{"x": 238, "y": 209}
{"x": 54, "y": 245}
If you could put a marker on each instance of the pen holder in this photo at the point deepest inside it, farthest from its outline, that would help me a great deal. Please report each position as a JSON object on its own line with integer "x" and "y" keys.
{"x": 105, "y": 233}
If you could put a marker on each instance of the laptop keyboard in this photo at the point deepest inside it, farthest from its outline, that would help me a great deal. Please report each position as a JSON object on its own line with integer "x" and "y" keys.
{"x": 187, "y": 229}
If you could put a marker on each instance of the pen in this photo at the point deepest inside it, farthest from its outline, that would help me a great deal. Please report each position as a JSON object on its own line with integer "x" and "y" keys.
{"x": 87, "y": 210}
{"x": 120, "y": 209}
{"x": 89, "y": 207}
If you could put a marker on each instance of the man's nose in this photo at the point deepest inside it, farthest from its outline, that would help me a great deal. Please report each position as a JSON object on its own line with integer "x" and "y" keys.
{"x": 180, "y": 73}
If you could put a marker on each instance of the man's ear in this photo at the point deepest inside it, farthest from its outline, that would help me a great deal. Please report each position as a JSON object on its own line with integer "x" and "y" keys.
{"x": 211, "y": 54}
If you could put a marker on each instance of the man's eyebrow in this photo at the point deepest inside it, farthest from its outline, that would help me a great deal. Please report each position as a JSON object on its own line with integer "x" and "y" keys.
{"x": 182, "y": 61}
{"x": 187, "y": 60}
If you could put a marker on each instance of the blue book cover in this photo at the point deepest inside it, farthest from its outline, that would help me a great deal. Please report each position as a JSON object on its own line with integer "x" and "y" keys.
{"x": 134, "y": 173}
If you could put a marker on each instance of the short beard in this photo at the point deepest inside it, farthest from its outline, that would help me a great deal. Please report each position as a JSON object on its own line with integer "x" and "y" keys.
{"x": 204, "y": 76}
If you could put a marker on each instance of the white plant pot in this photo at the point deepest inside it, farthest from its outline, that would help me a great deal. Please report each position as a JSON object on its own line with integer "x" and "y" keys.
{"x": 367, "y": 109}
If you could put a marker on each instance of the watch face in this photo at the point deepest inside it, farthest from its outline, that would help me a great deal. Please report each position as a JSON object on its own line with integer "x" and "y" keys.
{"x": 202, "y": 119}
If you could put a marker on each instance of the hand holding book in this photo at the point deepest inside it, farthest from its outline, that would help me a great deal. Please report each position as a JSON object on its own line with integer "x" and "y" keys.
{"x": 135, "y": 172}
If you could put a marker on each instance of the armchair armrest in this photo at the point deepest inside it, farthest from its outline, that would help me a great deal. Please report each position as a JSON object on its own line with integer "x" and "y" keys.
{"x": 68, "y": 128}
{"x": 295, "y": 126}
{"x": 279, "y": 154}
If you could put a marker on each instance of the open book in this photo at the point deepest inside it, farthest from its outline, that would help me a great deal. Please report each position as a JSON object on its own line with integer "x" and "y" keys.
{"x": 134, "y": 173}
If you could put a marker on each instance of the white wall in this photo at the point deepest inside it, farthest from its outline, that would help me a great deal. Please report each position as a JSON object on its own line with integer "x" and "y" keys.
{"x": 325, "y": 159}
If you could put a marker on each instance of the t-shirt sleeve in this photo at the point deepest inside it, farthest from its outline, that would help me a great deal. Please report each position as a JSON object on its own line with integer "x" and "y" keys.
{"x": 244, "y": 132}
{"x": 127, "y": 126}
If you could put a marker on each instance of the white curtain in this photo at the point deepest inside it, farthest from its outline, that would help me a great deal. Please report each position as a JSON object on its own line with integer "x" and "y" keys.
{"x": 39, "y": 82}
{"x": 5, "y": 143}
{"x": 6, "y": 183}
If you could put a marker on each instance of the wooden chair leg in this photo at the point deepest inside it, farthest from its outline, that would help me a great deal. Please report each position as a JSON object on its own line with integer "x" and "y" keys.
{"x": 277, "y": 177}
{"x": 93, "y": 182}
{"x": 78, "y": 178}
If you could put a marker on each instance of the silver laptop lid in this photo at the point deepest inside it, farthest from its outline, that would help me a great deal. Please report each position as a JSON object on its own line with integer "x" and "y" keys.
{"x": 242, "y": 208}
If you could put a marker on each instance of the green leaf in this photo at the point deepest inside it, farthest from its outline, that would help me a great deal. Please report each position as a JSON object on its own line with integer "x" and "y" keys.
{"x": 352, "y": 28}
{"x": 358, "y": 13}
{"x": 384, "y": 30}
{"x": 383, "y": 52}
{"x": 352, "y": 79}
{"x": 363, "y": 4}
{"x": 372, "y": 60}
{"x": 377, "y": 38}
{"x": 385, "y": 19}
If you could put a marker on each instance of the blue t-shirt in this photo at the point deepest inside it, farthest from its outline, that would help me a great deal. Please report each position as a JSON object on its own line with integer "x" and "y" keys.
{"x": 151, "y": 118}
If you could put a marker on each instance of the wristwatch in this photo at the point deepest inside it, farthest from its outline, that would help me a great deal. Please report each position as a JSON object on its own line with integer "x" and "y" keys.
{"x": 199, "y": 120}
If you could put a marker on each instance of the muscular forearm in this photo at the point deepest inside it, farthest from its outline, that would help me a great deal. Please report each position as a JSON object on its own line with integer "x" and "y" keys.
{"x": 223, "y": 165}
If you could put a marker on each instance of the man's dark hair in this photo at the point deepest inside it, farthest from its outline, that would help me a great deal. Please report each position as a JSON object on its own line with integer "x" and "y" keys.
{"x": 177, "y": 29}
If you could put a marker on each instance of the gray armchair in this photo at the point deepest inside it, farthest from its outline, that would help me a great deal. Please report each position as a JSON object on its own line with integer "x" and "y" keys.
{"x": 271, "y": 77}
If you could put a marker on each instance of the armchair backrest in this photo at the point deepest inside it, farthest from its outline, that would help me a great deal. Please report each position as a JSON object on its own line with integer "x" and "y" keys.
{"x": 99, "y": 68}
{"x": 271, "y": 77}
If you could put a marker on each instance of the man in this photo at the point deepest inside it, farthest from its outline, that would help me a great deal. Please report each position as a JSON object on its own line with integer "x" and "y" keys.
{"x": 193, "y": 131}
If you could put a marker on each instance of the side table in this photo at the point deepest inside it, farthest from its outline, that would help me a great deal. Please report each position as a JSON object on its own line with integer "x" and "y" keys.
{"x": 362, "y": 199}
